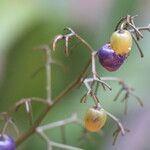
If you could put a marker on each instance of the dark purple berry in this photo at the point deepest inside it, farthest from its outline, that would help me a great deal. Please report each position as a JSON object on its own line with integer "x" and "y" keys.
{"x": 6, "y": 142}
{"x": 109, "y": 59}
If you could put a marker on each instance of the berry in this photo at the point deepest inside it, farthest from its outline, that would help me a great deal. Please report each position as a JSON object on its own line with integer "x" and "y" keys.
{"x": 94, "y": 119}
{"x": 110, "y": 60}
{"x": 121, "y": 42}
{"x": 6, "y": 142}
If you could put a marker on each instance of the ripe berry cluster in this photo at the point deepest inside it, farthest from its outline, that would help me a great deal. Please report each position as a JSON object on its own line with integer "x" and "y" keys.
{"x": 112, "y": 55}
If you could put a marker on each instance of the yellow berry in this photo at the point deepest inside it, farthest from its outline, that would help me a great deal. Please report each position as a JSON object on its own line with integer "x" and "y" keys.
{"x": 121, "y": 42}
{"x": 94, "y": 119}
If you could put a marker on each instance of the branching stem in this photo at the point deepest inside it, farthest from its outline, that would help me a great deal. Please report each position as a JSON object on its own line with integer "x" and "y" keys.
{"x": 61, "y": 123}
{"x": 32, "y": 129}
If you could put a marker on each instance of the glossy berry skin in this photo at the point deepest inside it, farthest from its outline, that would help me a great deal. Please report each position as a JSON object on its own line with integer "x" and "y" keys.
{"x": 109, "y": 59}
{"x": 94, "y": 119}
{"x": 6, "y": 142}
{"x": 121, "y": 42}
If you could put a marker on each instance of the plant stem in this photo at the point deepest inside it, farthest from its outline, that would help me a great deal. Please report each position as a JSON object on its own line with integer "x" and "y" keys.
{"x": 85, "y": 43}
{"x": 32, "y": 129}
{"x": 48, "y": 75}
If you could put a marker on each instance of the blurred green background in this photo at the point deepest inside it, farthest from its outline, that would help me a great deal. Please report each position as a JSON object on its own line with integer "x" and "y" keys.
{"x": 24, "y": 25}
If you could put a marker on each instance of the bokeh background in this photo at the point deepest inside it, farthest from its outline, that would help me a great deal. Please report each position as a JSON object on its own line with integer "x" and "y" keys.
{"x": 27, "y": 24}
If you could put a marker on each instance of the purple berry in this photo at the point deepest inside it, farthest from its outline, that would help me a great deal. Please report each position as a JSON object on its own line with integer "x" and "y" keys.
{"x": 6, "y": 142}
{"x": 109, "y": 59}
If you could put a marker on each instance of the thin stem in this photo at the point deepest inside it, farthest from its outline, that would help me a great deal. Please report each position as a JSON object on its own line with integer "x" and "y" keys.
{"x": 85, "y": 43}
{"x": 137, "y": 98}
{"x": 23, "y": 101}
{"x": 120, "y": 21}
{"x": 118, "y": 94}
{"x": 77, "y": 44}
{"x": 145, "y": 28}
{"x": 115, "y": 135}
{"x": 45, "y": 138}
{"x": 129, "y": 91}
{"x": 10, "y": 122}
{"x": 48, "y": 71}
{"x": 48, "y": 76}
{"x": 94, "y": 76}
{"x": 112, "y": 79}
{"x": 28, "y": 107}
{"x": 136, "y": 33}
{"x": 93, "y": 64}
{"x": 130, "y": 22}
{"x": 37, "y": 71}
{"x": 127, "y": 21}
{"x": 90, "y": 80}
{"x": 59, "y": 123}
{"x": 96, "y": 88}
{"x": 63, "y": 146}
{"x": 50, "y": 63}
{"x": 52, "y": 144}
{"x": 15, "y": 127}
{"x": 81, "y": 39}
{"x": 5, "y": 126}
{"x": 104, "y": 83}
{"x": 32, "y": 129}
{"x": 118, "y": 122}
